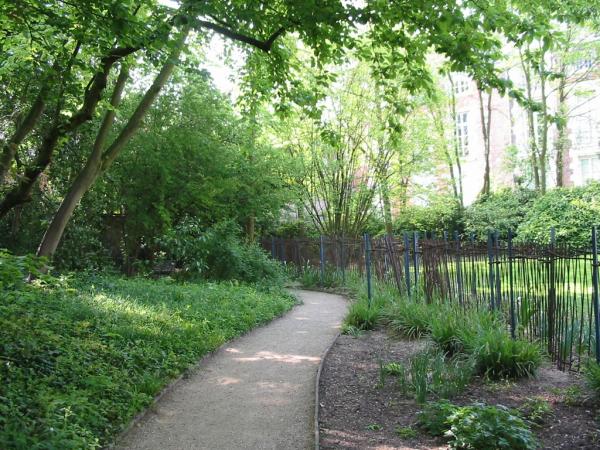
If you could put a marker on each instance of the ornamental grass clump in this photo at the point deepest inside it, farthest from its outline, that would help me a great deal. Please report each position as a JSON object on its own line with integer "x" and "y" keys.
{"x": 408, "y": 319}
{"x": 497, "y": 355}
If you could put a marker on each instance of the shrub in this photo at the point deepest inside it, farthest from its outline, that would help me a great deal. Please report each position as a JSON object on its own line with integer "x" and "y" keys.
{"x": 572, "y": 211}
{"x": 443, "y": 214}
{"x": 477, "y": 426}
{"x": 486, "y": 427}
{"x": 14, "y": 270}
{"x": 218, "y": 253}
{"x": 498, "y": 356}
{"x": 434, "y": 417}
{"x": 501, "y": 211}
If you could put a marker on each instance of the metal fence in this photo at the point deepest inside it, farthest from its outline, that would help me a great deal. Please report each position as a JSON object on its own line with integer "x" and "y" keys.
{"x": 548, "y": 293}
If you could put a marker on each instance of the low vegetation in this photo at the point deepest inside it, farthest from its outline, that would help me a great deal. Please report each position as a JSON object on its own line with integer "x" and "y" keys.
{"x": 477, "y": 426}
{"x": 80, "y": 358}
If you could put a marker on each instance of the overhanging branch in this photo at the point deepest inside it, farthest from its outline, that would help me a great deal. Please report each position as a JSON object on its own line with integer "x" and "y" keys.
{"x": 264, "y": 45}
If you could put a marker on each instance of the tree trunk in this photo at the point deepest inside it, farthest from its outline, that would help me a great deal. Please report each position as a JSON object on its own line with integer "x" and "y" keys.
{"x": 99, "y": 161}
{"x": 86, "y": 177}
{"x": 561, "y": 127}
{"x": 533, "y": 152}
{"x": 23, "y": 129}
{"x": 387, "y": 206}
{"x": 485, "y": 130}
{"x": 543, "y": 155}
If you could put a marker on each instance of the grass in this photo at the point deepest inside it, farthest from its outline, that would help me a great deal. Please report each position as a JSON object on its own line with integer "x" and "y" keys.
{"x": 77, "y": 364}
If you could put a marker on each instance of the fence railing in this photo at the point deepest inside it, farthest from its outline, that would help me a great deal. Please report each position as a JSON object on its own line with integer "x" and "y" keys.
{"x": 548, "y": 293}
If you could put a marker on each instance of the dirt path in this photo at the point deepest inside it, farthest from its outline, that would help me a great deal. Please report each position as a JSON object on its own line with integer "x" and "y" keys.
{"x": 256, "y": 393}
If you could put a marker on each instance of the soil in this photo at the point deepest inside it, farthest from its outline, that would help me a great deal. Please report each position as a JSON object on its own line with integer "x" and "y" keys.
{"x": 357, "y": 413}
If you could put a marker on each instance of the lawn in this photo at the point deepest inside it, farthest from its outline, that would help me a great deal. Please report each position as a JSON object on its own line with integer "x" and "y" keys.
{"x": 77, "y": 363}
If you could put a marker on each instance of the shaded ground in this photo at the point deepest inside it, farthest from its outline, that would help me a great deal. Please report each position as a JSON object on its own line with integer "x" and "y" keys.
{"x": 256, "y": 393}
{"x": 352, "y": 405}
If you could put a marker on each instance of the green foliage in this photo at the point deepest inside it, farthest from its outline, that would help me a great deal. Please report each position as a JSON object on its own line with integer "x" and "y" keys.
{"x": 477, "y": 427}
{"x": 572, "y": 211}
{"x": 78, "y": 364}
{"x": 501, "y": 211}
{"x": 406, "y": 432}
{"x": 434, "y": 416}
{"x": 480, "y": 335}
{"x": 592, "y": 376}
{"x": 407, "y": 319}
{"x": 442, "y": 214}
{"x": 499, "y": 356}
{"x": 14, "y": 270}
{"x": 489, "y": 427}
{"x": 218, "y": 253}
{"x": 394, "y": 369}
{"x": 362, "y": 316}
{"x": 536, "y": 410}
{"x": 374, "y": 427}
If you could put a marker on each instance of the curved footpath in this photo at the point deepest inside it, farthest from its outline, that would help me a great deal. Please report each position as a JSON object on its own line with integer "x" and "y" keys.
{"x": 257, "y": 392}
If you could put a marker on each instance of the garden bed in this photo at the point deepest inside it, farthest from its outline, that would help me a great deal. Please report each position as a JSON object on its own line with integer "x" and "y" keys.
{"x": 357, "y": 410}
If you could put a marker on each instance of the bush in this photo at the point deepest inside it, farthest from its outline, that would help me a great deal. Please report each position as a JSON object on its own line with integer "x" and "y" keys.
{"x": 572, "y": 211}
{"x": 501, "y": 211}
{"x": 14, "y": 270}
{"x": 442, "y": 214}
{"x": 497, "y": 355}
{"x": 489, "y": 427}
{"x": 218, "y": 253}
{"x": 478, "y": 426}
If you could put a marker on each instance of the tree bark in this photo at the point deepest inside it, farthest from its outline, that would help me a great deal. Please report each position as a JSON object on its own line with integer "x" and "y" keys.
{"x": 99, "y": 161}
{"x": 86, "y": 177}
{"x": 561, "y": 127}
{"x": 485, "y": 130}
{"x": 23, "y": 129}
{"x": 533, "y": 151}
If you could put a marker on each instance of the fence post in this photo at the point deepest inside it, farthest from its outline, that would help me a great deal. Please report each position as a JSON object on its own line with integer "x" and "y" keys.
{"x": 491, "y": 283}
{"x": 458, "y": 270}
{"x": 407, "y": 262}
{"x": 446, "y": 267}
{"x": 552, "y": 294}
{"x": 595, "y": 293}
{"x": 511, "y": 286}
{"x": 282, "y": 251}
{"x": 473, "y": 276}
{"x": 322, "y": 259}
{"x": 416, "y": 259}
{"x": 368, "y": 266}
{"x": 273, "y": 247}
{"x": 498, "y": 275}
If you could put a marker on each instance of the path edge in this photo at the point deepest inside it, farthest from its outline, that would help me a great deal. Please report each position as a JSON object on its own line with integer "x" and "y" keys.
{"x": 188, "y": 372}
{"x": 317, "y": 384}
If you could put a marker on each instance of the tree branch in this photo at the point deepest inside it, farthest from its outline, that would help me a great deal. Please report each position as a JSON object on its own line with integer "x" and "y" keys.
{"x": 224, "y": 31}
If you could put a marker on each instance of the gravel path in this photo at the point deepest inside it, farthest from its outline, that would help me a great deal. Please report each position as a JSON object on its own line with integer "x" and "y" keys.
{"x": 255, "y": 393}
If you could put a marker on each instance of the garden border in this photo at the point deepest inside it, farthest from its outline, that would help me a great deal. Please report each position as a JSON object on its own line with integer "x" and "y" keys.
{"x": 317, "y": 384}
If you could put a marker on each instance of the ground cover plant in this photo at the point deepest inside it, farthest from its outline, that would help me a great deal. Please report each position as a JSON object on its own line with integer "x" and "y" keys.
{"x": 78, "y": 363}
{"x": 478, "y": 426}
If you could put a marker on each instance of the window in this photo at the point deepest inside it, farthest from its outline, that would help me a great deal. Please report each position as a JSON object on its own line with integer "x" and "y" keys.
{"x": 462, "y": 132}
{"x": 590, "y": 168}
{"x": 584, "y": 64}
{"x": 461, "y": 82}
{"x": 582, "y": 132}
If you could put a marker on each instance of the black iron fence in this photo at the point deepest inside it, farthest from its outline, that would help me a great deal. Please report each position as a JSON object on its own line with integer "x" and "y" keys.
{"x": 548, "y": 293}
